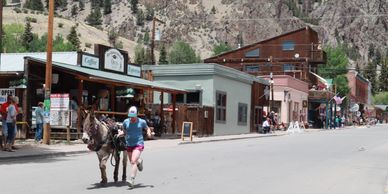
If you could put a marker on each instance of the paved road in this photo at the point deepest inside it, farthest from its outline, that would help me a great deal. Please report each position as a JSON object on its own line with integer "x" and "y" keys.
{"x": 351, "y": 161}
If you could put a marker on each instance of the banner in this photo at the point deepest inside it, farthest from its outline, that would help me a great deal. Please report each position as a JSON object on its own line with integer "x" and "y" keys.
{"x": 59, "y": 110}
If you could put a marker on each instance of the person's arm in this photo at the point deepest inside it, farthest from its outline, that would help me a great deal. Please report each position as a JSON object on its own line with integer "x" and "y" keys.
{"x": 145, "y": 126}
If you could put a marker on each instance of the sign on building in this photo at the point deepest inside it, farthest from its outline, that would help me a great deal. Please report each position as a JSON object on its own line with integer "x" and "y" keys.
{"x": 59, "y": 110}
{"x": 4, "y": 92}
{"x": 134, "y": 71}
{"x": 114, "y": 60}
{"x": 90, "y": 61}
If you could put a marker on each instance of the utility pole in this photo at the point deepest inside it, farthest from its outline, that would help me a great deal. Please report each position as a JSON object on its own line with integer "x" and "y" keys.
{"x": 48, "y": 77}
{"x": 154, "y": 20}
{"x": 271, "y": 82}
{"x": 1, "y": 25}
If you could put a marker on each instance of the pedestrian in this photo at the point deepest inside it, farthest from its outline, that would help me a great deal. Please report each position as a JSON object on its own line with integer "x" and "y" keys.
{"x": 11, "y": 124}
{"x": 39, "y": 122}
{"x": 133, "y": 131}
{"x": 266, "y": 125}
{"x": 3, "y": 111}
{"x": 16, "y": 104}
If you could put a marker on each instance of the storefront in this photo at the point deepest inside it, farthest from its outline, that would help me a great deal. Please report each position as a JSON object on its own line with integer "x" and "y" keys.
{"x": 105, "y": 81}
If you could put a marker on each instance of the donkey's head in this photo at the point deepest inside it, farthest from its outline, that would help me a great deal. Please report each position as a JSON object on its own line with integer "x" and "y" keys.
{"x": 94, "y": 131}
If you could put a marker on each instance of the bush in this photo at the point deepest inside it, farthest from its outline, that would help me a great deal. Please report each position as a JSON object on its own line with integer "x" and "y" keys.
{"x": 32, "y": 20}
{"x": 25, "y": 11}
{"x": 88, "y": 45}
{"x": 17, "y": 10}
{"x": 60, "y": 25}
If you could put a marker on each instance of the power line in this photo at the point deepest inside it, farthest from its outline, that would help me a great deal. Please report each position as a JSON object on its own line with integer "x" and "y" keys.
{"x": 291, "y": 18}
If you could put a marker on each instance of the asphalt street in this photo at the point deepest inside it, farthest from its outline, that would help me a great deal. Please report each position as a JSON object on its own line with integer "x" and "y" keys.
{"x": 351, "y": 161}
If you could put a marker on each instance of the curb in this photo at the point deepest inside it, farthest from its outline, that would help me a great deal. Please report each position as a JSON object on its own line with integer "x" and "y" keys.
{"x": 227, "y": 139}
{"x": 41, "y": 156}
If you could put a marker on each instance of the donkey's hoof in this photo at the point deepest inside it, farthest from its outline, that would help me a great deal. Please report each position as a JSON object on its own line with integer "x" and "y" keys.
{"x": 103, "y": 183}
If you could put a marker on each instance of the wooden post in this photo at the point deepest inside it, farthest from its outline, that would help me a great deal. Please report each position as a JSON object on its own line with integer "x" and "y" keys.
{"x": 154, "y": 20}
{"x": 161, "y": 108}
{"x": 1, "y": 25}
{"x": 26, "y": 103}
{"x": 173, "y": 112}
{"x": 112, "y": 98}
{"x": 68, "y": 134}
{"x": 48, "y": 77}
{"x": 79, "y": 98}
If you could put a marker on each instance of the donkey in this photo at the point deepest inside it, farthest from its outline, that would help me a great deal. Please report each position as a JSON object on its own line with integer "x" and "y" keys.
{"x": 99, "y": 138}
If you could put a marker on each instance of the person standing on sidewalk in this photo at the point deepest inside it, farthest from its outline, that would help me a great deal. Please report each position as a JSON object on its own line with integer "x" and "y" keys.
{"x": 133, "y": 131}
{"x": 3, "y": 111}
{"x": 11, "y": 124}
{"x": 39, "y": 122}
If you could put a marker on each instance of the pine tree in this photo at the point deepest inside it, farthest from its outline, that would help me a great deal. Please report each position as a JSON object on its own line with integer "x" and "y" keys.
{"x": 213, "y": 11}
{"x": 134, "y": 4}
{"x": 371, "y": 52}
{"x": 73, "y": 38}
{"x": 140, "y": 18}
{"x": 139, "y": 54}
{"x": 34, "y": 5}
{"x": 112, "y": 37}
{"x": 148, "y": 57}
{"x": 370, "y": 74}
{"x": 383, "y": 78}
{"x": 146, "y": 40}
{"x": 149, "y": 13}
{"x": 163, "y": 55}
{"x": 94, "y": 18}
{"x": 182, "y": 53}
{"x": 27, "y": 36}
{"x": 107, "y": 7}
{"x": 74, "y": 10}
{"x": 81, "y": 5}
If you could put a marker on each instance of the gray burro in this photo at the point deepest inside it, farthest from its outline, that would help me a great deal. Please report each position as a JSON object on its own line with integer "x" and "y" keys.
{"x": 30, "y": 150}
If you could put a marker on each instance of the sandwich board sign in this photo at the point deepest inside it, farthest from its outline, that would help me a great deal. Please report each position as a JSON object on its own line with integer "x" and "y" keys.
{"x": 187, "y": 130}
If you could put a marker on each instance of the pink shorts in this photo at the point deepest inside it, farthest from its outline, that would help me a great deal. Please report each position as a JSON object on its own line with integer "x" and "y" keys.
{"x": 138, "y": 147}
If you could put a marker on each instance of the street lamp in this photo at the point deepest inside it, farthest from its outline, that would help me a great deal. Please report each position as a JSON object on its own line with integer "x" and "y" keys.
{"x": 271, "y": 82}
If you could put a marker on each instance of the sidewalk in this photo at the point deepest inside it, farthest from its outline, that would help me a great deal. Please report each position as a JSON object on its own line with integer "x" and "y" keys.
{"x": 28, "y": 149}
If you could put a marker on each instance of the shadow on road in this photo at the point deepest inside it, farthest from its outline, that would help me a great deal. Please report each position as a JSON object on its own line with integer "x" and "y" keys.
{"x": 117, "y": 184}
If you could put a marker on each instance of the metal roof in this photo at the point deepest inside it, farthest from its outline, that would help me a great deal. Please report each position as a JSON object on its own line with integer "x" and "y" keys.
{"x": 14, "y": 62}
{"x": 102, "y": 75}
{"x": 202, "y": 69}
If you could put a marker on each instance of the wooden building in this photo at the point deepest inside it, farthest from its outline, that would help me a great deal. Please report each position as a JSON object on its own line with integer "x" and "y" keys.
{"x": 294, "y": 53}
{"x": 100, "y": 80}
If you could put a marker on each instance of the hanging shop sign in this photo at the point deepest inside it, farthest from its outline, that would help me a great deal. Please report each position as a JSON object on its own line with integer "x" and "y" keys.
{"x": 90, "y": 61}
{"x": 134, "y": 71}
{"x": 20, "y": 83}
{"x": 114, "y": 60}
{"x": 125, "y": 93}
{"x": 4, "y": 92}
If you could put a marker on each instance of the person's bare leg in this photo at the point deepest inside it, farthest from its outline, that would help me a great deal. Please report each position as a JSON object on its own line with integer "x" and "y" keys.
{"x": 134, "y": 161}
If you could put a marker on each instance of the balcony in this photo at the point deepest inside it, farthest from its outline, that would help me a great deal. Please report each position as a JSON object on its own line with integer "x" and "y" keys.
{"x": 317, "y": 56}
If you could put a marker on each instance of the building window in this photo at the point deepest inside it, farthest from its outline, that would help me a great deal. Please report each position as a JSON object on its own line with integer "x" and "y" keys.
{"x": 288, "y": 67}
{"x": 193, "y": 98}
{"x": 253, "y": 53}
{"x": 189, "y": 98}
{"x": 288, "y": 45}
{"x": 242, "y": 113}
{"x": 220, "y": 106}
{"x": 252, "y": 68}
{"x": 180, "y": 98}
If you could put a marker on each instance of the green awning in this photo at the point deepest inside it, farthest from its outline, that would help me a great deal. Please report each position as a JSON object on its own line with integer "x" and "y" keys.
{"x": 119, "y": 78}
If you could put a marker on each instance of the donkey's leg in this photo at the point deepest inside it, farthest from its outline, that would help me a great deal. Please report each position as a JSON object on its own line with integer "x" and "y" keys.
{"x": 117, "y": 165}
{"x": 125, "y": 162}
{"x": 103, "y": 156}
